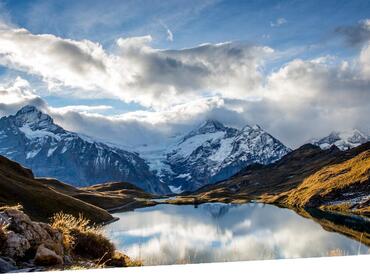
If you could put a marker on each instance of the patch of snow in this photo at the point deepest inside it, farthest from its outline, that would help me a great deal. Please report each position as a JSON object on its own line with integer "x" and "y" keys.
{"x": 87, "y": 138}
{"x": 186, "y": 175}
{"x": 64, "y": 149}
{"x": 176, "y": 190}
{"x": 34, "y": 134}
{"x": 52, "y": 150}
{"x": 226, "y": 146}
{"x": 32, "y": 153}
{"x": 185, "y": 148}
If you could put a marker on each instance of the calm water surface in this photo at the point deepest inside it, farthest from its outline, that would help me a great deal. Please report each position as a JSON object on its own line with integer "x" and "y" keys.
{"x": 170, "y": 234}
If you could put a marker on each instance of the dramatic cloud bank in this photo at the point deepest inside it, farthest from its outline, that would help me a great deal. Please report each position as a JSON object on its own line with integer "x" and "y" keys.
{"x": 226, "y": 81}
{"x": 135, "y": 72}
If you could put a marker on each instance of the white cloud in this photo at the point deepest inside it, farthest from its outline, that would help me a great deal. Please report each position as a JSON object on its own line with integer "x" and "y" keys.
{"x": 168, "y": 31}
{"x": 280, "y": 21}
{"x": 82, "y": 108}
{"x": 136, "y": 72}
{"x": 16, "y": 94}
{"x": 364, "y": 61}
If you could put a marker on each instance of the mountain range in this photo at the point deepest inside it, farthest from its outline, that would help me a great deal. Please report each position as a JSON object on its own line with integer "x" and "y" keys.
{"x": 31, "y": 138}
{"x": 209, "y": 153}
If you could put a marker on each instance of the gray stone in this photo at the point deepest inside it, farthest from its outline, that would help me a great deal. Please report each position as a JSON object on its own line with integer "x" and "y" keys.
{"x": 6, "y": 265}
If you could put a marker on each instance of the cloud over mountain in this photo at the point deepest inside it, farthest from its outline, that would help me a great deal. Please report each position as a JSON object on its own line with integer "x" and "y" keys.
{"x": 301, "y": 99}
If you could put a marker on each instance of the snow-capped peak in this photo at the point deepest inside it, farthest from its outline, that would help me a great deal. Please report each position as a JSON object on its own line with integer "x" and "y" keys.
{"x": 32, "y": 117}
{"x": 342, "y": 139}
{"x": 209, "y": 126}
{"x": 214, "y": 152}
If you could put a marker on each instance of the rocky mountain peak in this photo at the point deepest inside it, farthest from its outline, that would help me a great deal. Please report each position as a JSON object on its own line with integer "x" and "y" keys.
{"x": 33, "y": 117}
{"x": 208, "y": 126}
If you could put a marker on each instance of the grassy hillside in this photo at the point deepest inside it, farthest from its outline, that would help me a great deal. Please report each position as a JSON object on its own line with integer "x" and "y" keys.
{"x": 18, "y": 186}
{"x": 109, "y": 196}
{"x": 342, "y": 187}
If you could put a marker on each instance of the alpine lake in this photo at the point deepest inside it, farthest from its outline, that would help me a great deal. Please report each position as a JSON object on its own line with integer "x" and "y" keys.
{"x": 215, "y": 232}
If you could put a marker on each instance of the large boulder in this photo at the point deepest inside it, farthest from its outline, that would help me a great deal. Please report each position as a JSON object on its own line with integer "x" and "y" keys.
{"x": 23, "y": 235}
{"x": 47, "y": 257}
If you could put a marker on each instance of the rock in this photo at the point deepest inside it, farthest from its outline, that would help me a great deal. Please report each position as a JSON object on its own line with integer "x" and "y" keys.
{"x": 21, "y": 223}
{"x": 47, "y": 257}
{"x": 23, "y": 234}
{"x": 6, "y": 265}
{"x": 67, "y": 259}
{"x": 16, "y": 245}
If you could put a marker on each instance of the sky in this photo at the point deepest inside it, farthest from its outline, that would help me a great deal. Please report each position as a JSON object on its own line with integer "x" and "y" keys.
{"x": 139, "y": 72}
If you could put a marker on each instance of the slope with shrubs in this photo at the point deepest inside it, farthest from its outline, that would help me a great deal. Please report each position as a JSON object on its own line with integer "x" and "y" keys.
{"x": 83, "y": 241}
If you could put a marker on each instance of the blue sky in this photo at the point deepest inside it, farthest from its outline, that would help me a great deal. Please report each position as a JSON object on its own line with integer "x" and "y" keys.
{"x": 192, "y": 22}
{"x": 311, "y": 31}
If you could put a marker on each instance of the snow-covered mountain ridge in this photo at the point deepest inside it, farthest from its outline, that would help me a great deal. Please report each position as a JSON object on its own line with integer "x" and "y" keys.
{"x": 31, "y": 138}
{"x": 212, "y": 152}
{"x": 344, "y": 140}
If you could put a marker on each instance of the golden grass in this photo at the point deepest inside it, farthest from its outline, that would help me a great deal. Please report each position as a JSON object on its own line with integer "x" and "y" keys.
{"x": 355, "y": 171}
{"x": 82, "y": 239}
{"x": 121, "y": 260}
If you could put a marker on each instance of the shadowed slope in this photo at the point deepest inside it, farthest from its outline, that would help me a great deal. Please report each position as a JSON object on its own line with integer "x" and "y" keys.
{"x": 18, "y": 186}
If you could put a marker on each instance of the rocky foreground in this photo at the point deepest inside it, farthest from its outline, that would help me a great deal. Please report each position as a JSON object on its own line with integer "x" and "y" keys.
{"x": 66, "y": 243}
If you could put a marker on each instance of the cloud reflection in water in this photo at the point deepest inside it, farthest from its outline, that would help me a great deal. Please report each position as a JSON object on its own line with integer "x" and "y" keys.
{"x": 168, "y": 234}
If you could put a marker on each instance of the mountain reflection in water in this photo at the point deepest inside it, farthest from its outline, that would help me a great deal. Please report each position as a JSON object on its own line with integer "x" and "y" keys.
{"x": 170, "y": 234}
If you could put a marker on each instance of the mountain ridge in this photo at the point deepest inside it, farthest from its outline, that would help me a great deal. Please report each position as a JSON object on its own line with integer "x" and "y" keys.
{"x": 31, "y": 138}
{"x": 344, "y": 140}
